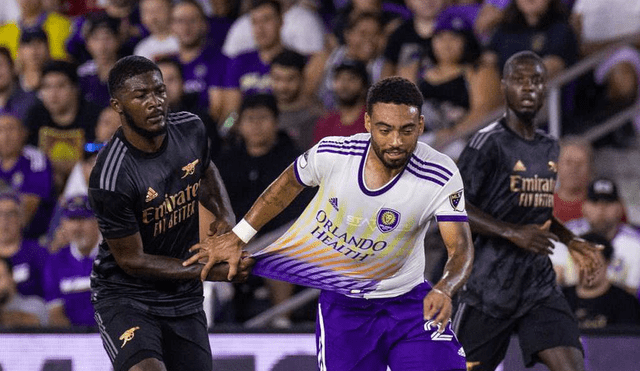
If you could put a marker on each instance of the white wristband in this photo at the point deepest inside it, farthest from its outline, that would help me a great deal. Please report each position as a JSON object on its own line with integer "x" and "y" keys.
{"x": 244, "y": 231}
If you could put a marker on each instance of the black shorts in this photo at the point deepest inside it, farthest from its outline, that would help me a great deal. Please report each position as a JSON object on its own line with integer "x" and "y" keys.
{"x": 130, "y": 336}
{"x": 485, "y": 339}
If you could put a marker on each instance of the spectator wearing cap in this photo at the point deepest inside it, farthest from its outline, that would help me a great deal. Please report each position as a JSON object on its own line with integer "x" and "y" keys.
{"x": 263, "y": 153}
{"x": 16, "y": 309}
{"x": 298, "y": 113}
{"x": 597, "y": 302}
{"x": 363, "y": 43}
{"x": 350, "y": 85}
{"x": 156, "y": 17}
{"x": 33, "y": 15}
{"x": 459, "y": 91}
{"x": 33, "y": 54}
{"x": 66, "y": 274}
{"x": 64, "y": 121}
{"x": 25, "y": 255}
{"x": 408, "y": 44}
{"x": 103, "y": 44}
{"x": 603, "y": 213}
{"x": 13, "y": 99}
{"x": 29, "y": 173}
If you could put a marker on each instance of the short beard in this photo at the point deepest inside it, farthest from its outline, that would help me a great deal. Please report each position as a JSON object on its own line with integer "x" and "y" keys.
{"x": 140, "y": 131}
{"x": 389, "y": 165}
{"x": 527, "y": 117}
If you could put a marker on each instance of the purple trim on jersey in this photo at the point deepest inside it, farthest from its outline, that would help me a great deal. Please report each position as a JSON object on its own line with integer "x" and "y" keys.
{"x": 425, "y": 177}
{"x": 379, "y": 191}
{"x": 452, "y": 218}
{"x": 348, "y": 141}
{"x": 297, "y": 174}
{"x": 430, "y": 171}
{"x": 343, "y": 147}
{"x": 345, "y": 152}
{"x": 425, "y": 163}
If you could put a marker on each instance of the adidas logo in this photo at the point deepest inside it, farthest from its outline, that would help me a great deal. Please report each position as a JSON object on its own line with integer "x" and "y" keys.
{"x": 151, "y": 194}
{"x": 461, "y": 352}
{"x": 334, "y": 202}
{"x": 519, "y": 166}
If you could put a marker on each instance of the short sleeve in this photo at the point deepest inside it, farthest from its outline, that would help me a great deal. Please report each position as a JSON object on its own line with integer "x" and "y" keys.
{"x": 450, "y": 206}
{"x": 475, "y": 165}
{"x": 114, "y": 212}
{"x": 309, "y": 167}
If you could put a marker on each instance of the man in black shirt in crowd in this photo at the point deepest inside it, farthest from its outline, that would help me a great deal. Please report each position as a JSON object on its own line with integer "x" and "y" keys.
{"x": 152, "y": 187}
{"x": 509, "y": 173}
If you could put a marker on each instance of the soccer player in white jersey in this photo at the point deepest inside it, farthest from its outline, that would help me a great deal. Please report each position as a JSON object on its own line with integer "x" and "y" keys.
{"x": 360, "y": 240}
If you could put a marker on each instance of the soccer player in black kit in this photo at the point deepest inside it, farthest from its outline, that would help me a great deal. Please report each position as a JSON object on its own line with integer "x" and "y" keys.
{"x": 153, "y": 185}
{"x": 509, "y": 174}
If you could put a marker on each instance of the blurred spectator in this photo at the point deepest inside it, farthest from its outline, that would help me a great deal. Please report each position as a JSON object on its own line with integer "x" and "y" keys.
{"x": 127, "y": 15}
{"x": 17, "y": 310}
{"x": 32, "y": 15}
{"x": 27, "y": 257}
{"x": 491, "y": 13}
{"x": 33, "y": 54}
{"x": 108, "y": 123}
{"x": 64, "y": 121}
{"x": 156, "y": 17}
{"x": 390, "y": 19}
{"x": 574, "y": 172}
{"x": 179, "y": 101}
{"x": 202, "y": 62}
{"x": 29, "y": 173}
{"x": 66, "y": 274}
{"x": 13, "y": 99}
{"x": 409, "y": 42}
{"x": 298, "y": 113}
{"x": 248, "y": 73}
{"x": 350, "y": 85}
{"x": 537, "y": 25}
{"x": 459, "y": 92}
{"x": 597, "y": 303}
{"x": 103, "y": 44}
{"x": 262, "y": 155}
{"x": 9, "y": 11}
{"x": 603, "y": 213}
{"x": 302, "y": 30}
{"x": 363, "y": 38}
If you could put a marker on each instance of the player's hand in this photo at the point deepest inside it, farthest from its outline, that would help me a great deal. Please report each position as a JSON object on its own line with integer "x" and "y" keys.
{"x": 437, "y": 304}
{"x": 219, "y": 271}
{"x": 218, "y": 227}
{"x": 217, "y": 249}
{"x": 585, "y": 254}
{"x": 534, "y": 238}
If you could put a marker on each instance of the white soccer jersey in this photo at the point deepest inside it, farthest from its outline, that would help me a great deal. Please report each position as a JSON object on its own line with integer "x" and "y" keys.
{"x": 358, "y": 241}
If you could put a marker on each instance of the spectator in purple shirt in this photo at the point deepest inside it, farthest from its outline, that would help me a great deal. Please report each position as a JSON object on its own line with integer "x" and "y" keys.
{"x": 103, "y": 44}
{"x": 12, "y": 98}
{"x": 26, "y": 256}
{"x": 29, "y": 173}
{"x": 66, "y": 274}
{"x": 203, "y": 64}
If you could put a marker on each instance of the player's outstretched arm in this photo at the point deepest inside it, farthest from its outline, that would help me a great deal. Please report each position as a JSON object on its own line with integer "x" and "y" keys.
{"x": 532, "y": 237}
{"x": 130, "y": 256}
{"x": 457, "y": 239}
{"x": 583, "y": 252}
{"x": 228, "y": 247}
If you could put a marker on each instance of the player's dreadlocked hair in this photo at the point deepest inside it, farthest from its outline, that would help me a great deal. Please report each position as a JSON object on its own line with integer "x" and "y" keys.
{"x": 126, "y": 68}
{"x": 396, "y": 90}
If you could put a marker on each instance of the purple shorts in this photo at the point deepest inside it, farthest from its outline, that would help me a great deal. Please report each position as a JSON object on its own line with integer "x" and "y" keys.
{"x": 355, "y": 334}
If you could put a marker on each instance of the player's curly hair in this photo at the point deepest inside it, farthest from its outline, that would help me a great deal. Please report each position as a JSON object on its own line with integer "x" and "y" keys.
{"x": 126, "y": 68}
{"x": 396, "y": 90}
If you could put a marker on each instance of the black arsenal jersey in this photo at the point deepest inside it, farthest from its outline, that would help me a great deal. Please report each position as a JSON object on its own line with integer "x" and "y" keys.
{"x": 511, "y": 179}
{"x": 155, "y": 194}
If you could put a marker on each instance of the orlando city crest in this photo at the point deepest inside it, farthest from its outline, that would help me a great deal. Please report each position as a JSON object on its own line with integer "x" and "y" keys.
{"x": 454, "y": 199}
{"x": 387, "y": 220}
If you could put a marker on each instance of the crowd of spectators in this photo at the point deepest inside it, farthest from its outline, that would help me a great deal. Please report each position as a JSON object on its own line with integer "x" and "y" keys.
{"x": 270, "y": 78}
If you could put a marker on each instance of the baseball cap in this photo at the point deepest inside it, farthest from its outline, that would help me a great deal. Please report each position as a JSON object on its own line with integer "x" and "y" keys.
{"x": 603, "y": 189}
{"x": 76, "y": 207}
{"x": 356, "y": 67}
